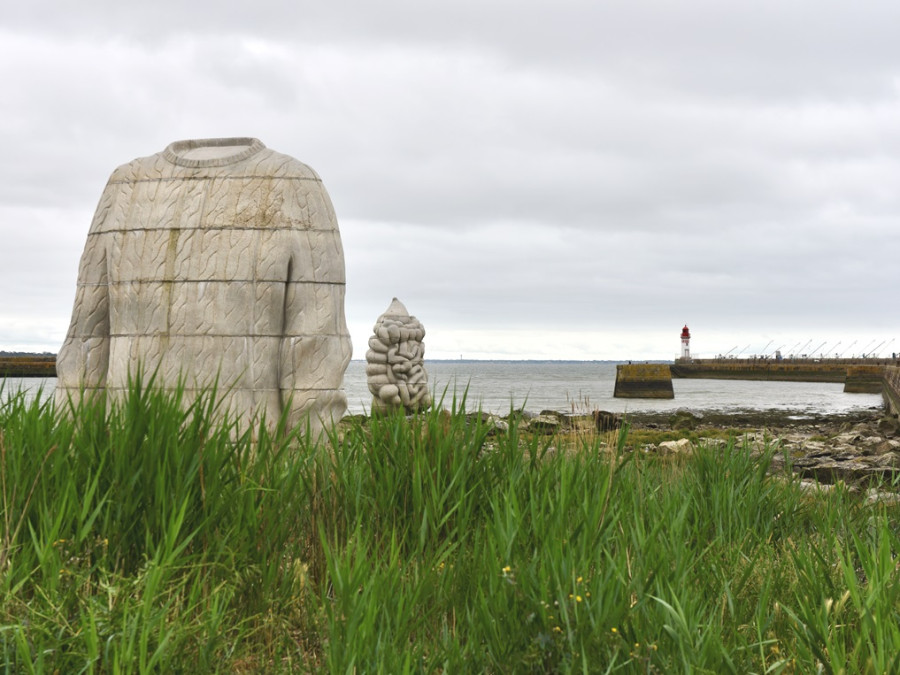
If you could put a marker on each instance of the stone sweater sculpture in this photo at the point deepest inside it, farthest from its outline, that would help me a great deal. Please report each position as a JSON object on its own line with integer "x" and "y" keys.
{"x": 394, "y": 363}
{"x": 214, "y": 260}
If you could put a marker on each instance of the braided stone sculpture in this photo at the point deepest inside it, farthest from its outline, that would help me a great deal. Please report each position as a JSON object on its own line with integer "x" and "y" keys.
{"x": 216, "y": 260}
{"x": 394, "y": 367}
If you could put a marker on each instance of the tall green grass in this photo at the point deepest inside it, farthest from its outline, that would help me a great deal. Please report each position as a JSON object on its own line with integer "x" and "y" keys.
{"x": 151, "y": 536}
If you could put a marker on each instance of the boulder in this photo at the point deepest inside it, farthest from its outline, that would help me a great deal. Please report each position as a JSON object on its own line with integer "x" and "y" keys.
{"x": 886, "y": 446}
{"x": 606, "y": 421}
{"x": 493, "y": 423}
{"x": 682, "y": 446}
{"x": 889, "y": 426}
{"x": 544, "y": 424}
{"x": 684, "y": 420}
{"x": 847, "y": 465}
{"x": 876, "y": 496}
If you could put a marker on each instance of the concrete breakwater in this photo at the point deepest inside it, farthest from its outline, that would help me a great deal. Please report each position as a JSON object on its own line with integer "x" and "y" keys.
{"x": 644, "y": 380}
{"x": 891, "y": 389}
{"x": 857, "y": 375}
{"x": 32, "y": 365}
{"x": 864, "y": 379}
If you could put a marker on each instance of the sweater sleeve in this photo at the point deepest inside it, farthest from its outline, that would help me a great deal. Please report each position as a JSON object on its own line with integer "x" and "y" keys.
{"x": 83, "y": 359}
{"x": 315, "y": 345}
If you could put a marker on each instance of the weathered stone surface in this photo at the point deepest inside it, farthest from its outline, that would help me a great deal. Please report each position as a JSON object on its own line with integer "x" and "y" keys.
{"x": 216, "y": 259}
{"x": 643, "y": 380}
{"x": 891, "y": 389}
{"x": 682, "y": 446}
{"x": 815, "y": 488}
{"x": 876, "y": 496}
{"x": 684, "y": 420}
{"x": 864, "y": 379}
{"x": 545, "y": 423}
{"x": 606, "y": 421}
{"x": 395, "y": 369}
{"x": 889, "y": 426}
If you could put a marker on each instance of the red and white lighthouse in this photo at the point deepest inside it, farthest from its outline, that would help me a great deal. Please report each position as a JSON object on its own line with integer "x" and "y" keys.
{"x": 685, "y": 343}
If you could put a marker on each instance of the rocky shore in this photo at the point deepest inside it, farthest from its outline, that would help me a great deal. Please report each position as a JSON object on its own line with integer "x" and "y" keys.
{"x": 860, "y": 450}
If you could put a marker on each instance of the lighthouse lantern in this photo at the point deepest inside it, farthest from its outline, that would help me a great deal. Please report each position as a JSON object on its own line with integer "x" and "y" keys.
{"x": 685, "y": 343}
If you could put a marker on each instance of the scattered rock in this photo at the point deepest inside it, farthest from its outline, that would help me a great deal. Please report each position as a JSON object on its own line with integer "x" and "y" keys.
{"x": 498, "y": 424}
{"x": 682, "y": 446}
{"x": 885, "y": 446}
{"x": 858, "y": 451}
{"x": 684, "y": 420}
{"x": 814, "y": 487}
{"x": 889, "y": 426}
{"x": 876, "y": 496}
{"x": 351, "y": 420}
{"x": 479, "y": 416}
{"x": 545, "y": 424}
{"x": 606, "y": 421}
{"x": 494, "y": 423}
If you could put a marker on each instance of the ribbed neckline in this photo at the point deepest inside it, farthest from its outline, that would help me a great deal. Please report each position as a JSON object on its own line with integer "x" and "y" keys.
{"x": 173, "y": 153}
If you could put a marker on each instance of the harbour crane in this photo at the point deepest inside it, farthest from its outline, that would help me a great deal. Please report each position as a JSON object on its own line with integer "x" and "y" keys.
{"x": 800, "y": 351}
{"x": 866, "y": 349}
{"x": 847, "y": 349}
{"x": 874, "y": 352}
{"x": 814, "y": 351}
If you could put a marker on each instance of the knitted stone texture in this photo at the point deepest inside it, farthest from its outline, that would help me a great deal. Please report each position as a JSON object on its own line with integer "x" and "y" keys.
{"x": 214, "y": 260}
{"x": 395, "y": 370}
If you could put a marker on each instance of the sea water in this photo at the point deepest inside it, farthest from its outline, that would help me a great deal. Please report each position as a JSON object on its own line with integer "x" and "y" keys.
{"x": 581, "y": 386}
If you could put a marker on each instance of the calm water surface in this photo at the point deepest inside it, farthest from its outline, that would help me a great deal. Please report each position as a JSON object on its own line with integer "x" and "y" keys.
{"x": 498, "y": 386}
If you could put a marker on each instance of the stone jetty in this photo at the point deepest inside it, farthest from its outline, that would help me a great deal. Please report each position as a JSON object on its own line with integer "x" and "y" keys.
{"x": 644, "y": 380}
{"x": 28, "y": 365}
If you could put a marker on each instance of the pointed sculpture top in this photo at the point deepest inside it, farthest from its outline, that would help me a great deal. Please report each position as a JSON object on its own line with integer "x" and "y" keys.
{"x": 397, "y": 309}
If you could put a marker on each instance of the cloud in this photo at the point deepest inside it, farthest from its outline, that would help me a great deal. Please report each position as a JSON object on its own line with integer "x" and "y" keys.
{"x": 578, "y": 174}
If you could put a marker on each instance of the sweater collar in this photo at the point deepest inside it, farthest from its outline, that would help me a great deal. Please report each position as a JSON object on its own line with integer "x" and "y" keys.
{"x": 212, "y": 151}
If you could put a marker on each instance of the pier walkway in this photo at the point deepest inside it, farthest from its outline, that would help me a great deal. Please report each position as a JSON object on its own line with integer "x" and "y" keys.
{"x": 863, "y": 376}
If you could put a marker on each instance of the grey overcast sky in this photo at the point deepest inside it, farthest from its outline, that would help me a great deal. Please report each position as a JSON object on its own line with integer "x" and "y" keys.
{"x": 571, "y": 179}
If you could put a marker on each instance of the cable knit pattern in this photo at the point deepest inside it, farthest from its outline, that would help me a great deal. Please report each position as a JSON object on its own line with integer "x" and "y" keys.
{"x": 395, "y": 367}
{"x": 227, "y": 264}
